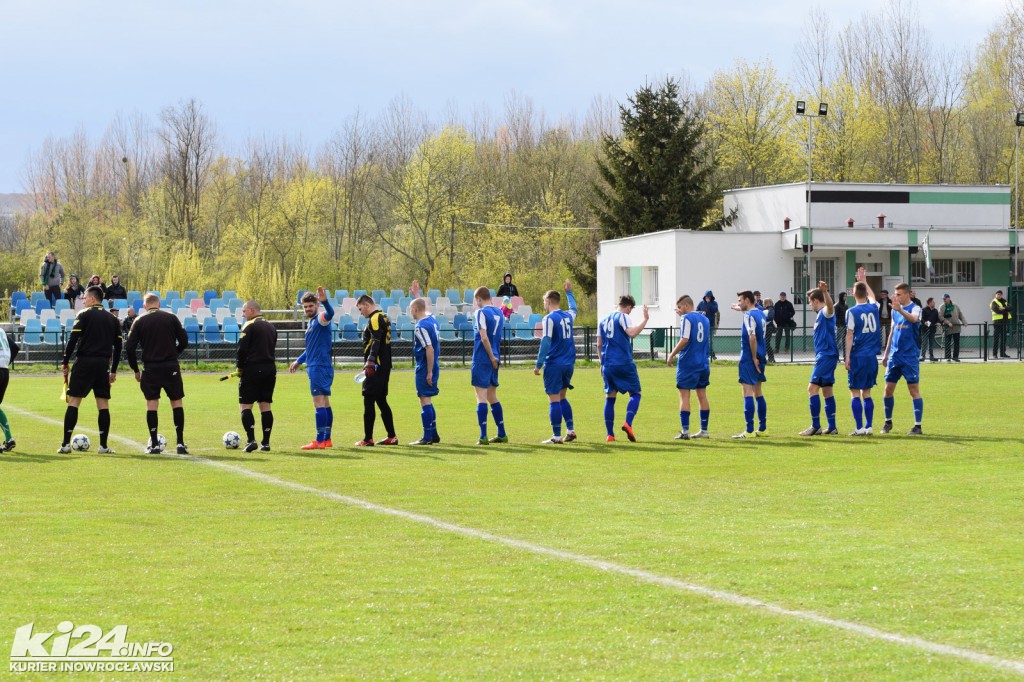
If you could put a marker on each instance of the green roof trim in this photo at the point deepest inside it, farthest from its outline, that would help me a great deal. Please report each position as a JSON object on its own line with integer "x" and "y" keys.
{"x": 977, "y": 198}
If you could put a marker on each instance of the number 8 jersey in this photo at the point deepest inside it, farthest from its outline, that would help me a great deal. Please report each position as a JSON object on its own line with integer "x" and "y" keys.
{"x": 863, "y": 320}
{"x": 694, "y": 356}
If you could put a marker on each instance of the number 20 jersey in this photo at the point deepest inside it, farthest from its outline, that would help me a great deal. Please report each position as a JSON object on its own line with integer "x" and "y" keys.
{"x": 863, "y": 320}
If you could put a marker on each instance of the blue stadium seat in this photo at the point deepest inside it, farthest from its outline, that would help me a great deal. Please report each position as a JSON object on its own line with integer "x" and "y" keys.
{"x": 340, "y": 295}
{"x": 33, "y": 334}
{"x": 193, "y": 330}
{"x": 351, "y": 333}
{"x": 211, "y": 331}
{"x": 523, "y": 333}
{"x": 137, "y": 304}
{"x": 190, "y": 295}
{"x": 460, "y": 319}
{"x": 535, "y": 319}
{"x": 468, "y": 296}
{"x": 298, "y": 297}
{"x": 63, "y": 304}
{"x": 228, "y": 294}
{"x": 120, "y": 304}
{"x": 358, "y": 292}
{"x": 53, "y": 332}
{"x": 433, "y": 295}
{"x": 172, "y": 296}
{"x": 231, "y": 330}
{"x": 37, "y": 296}
{"x": 493, "y": 293}
{"x": 385, "y": 303}
{"x": 447, "y": 332}
{"x": 454, "y": 295}
{"x": 404, "y": 302}
{"x": 215, "y": 303}
{"x": 378, "y": 294}
{"x": 397, "y": 294}
{"x": 234, "y": 305}
{"x": 134, "y": 294}
{"x": 208, "y": 295}
{"x": 21, "y": 305}
{"x": 42, "y": 305}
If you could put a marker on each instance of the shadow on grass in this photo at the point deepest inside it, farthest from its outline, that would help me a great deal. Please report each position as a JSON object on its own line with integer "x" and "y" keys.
{"x": 15, "y": 457}
{"x": 316, "y": 454}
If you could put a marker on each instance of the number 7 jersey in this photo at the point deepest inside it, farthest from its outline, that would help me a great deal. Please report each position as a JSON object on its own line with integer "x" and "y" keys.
{"x": 863, "y": 320}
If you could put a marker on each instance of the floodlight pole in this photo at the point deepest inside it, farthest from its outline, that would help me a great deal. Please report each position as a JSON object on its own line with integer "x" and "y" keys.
{"x": 801, "y": 110}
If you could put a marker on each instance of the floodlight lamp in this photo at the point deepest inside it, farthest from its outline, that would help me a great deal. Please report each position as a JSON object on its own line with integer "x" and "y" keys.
{"x": 1020, "y": 118}
{"x": 801, "y": 107}
{"x": 823, "y": 109}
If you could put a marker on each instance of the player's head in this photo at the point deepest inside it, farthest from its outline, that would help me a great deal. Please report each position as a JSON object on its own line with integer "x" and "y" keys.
{"x": 684, "y": 304}
{"x": 745, "y": 299}
{"x": 93, "y": 296}
{"x": 626, "y": 304}
{"x": 151, "y": 301}
{"x": 250, "y": 309}
{"x": 418, "y": 308}
{"x": 817, "y": 299}
{"x": 310, "y": 304}
{"x": 903, "y": 293}
{"x": 366, "y": 305}
{"x": 860, "y": 292}
{"x": 482, "y": 296}
{"x": 552, "y": 301}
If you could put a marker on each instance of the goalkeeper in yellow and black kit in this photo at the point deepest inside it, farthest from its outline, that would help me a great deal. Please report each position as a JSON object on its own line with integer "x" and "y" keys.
{"x": 377, "y": 359}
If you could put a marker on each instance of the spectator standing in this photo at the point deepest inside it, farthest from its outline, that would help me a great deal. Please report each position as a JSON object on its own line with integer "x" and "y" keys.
{"x": 708, "y": 307}
{"x": 507, "y": 288}
{"x": 51, "y": 277}
{"x": 784, "y": 320}
{"x": 929, "y": 325}
{"x": 128, "y": 321}
{"x": 952, "y": 321}
{"x": 115, "y": 289}
{"x": 914, "y": 299}
{"x": 1001, "y": 317}
{"x": 885, "y": 315}
{"x": 770, "y": 328}
{"x": 414, "y": 289}
{"x": 75, "y": 293}
{"x": 841, "y": 308}
{"x": 758, "y": 303}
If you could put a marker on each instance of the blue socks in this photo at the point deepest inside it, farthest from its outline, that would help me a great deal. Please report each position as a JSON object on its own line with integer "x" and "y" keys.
{"x": 321, "y": 423}
{"x": 705, "y": 419}
{"x": 328, "y": 422}
{"x": 858, "y": 413}
{"x": 499, "y": 419}
{"x": 609, "y": 415}
{"x": 762, "y": 413}
{"x": 684, "y": 420}
{"x": 567, "y": 414}
{"x": 481, "y": 418}
{"x": 869, "y": 412}
{"x": 918, "y": 410}
{"x": 748, "y": 412}
{"x": 429, "y": 418}
{"x": 830, "y": 412}
{"x": 555, "y": 413}
{"x": 816, "y": 411}
{"x": 632, "y": 407}
{"x": 889, "y": 404}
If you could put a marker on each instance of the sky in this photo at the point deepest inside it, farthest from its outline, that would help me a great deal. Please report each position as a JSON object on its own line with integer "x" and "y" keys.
{"x": 300, "y": 68}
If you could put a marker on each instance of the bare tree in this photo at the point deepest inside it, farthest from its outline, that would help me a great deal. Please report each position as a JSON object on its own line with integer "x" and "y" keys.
{"x": 188, "y": 139}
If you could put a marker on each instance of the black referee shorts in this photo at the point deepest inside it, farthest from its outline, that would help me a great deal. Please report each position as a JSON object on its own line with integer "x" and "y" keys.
{"x": 256, "y": 384}
{"x": 165, "y": 377}
{"x": 377, "y": 385}
{"x": 90, "y": 374}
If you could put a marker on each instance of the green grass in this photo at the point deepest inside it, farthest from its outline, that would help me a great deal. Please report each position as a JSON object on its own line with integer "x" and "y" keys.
{"x": 249, "y": 579}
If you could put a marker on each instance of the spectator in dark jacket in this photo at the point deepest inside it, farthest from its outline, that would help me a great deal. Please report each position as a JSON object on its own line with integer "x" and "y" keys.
{"x": 770, "y": 328}
{"x": 115, "y": 289}
{"x": 709, "y": 308}
{"x": 51, "y": 277}
{"x": 507, "y": 288}
{"x": 129, "y": 319}
{"x": 95, "y": 281}
{"x": 75, "y": 292}
{"x": 929, "y": 325}
{"x": 784, "y": 314}
{"x": 841, "y": 308}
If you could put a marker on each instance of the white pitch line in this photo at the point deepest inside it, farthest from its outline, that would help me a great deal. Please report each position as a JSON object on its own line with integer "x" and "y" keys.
{"x": 641, "y": 575}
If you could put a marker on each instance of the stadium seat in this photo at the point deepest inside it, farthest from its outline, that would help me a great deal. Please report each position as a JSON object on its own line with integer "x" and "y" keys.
{"x": 393, "y": 311}
{"x": 378, "y": 295}
{"x": 230, "y": 329}
{"x": 189, "y": 296}
{"x": 172, "y": 296}
{"x": 211, "y": 331}
{"x": 228, "y": 294}
{"x": 120, "y": 304}
{"x": 340, "y": 295}
{"x": 524, "y": 333}
{"x": 137, "y": 304}
{"x": 535, "y": 319}
{"x": 468, "y": 296}
{"x": 33, "y": 334}
{"x": 351, "y": 333}
{"x": 215, "y": 303}
{"x": 67, "y": 318}
{"x": 53, "y": 332}
{"x": 42, "y": 305}
{"x": 404, "y": 302}
{"x": 525, "y": 311}
{"x": 18, "y": 296}
{"x": 132, "y": 295}
{"x": 208, "y": 295}
{"x": 385, "y": 303}
{"x": 193, "y": 330}
{"x": 46, "y": 315}
{"x": 447, "y": 332}
{"x": 195, "y": 304}
{"x": 493, "y": 293}
{"x": 397, "y": 294}
{"x": 516, "y": 301}
{"x": 433, "y": 295}
{"x": 235, "y": 305}
{"x": 62, "y": 304}
{"x": 298, "y": 296}
{"x": 202, "y": 314}
{"x": 25, "y": 312}
{"x": 37, "y": 296}
{"x": 358, "y": 292}
{"x": 454, "y": 296}
{"x": 348, "y": 305}
{"x": 222, "y": 314}
{"x": 538, "y": 330}
{"x": 22, "y": 305}
{"x": 175, "y": 304}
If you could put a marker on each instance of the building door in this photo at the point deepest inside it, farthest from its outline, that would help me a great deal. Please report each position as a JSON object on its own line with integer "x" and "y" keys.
{"x": 874, "y": 273}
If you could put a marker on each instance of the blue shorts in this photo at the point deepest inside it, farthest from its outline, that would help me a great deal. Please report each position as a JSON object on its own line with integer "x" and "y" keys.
{"x": 692, "y": 378}
{"x": 748, "y": 375}
{"x": 423, "y": 390}
{"x": 824, "y": 372}
{"x": 320, "y": 379}
{"x": 556, "y": 379}
{"x": 620, "y": 379}
{"x": 863, "y": 372}
{"x": 903, "y": 369}
{"x": 483, "y": 375}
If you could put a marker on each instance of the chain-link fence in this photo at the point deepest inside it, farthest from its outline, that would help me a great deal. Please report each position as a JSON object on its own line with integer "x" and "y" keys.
{"x": 973, "y": 342}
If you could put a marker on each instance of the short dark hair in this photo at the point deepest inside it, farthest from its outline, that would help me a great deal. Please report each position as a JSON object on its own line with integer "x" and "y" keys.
{"x": 309, "y": 297}
{"x": 749, "y": 295}
{"x": 483, "y": 293}
{"x": 816, "y": 295}
{"x": 627, "y": 301}
{"x": 930, "y": 299}
{"x": 96, "y": 292}
{"x": 685, "y": 298}
{"x": 553, "y": 296}
{"x": 365, "y": 298}
{"x": 756, "y": 293}
{"x": 860, "y": 290}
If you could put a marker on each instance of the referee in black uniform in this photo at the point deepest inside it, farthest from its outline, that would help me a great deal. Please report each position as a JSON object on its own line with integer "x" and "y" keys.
{"x": 257, "y": 374}
{"x": 377, "y": 359}
{"x": 163, "y": 339}
{"x": 96, "y": 336}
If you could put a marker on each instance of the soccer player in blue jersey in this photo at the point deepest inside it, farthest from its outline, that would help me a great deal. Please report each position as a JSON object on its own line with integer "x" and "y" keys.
{"x": 694, "y": 369}
{"x": 901, "y": 357}
{"x": 488, "y": 323}
{"x": 615, "y": 353}
{"x": 826, "y": 357}
{"x": 426, "y": 351}
{"x": 752, "y": 362}
{"x": 862, "y": 346}
{"x": 319, "y": 364}
{"x": 557, "y": 357}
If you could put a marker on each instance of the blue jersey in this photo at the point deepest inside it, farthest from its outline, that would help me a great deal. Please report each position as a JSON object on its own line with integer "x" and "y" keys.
{"x": 863, "y": 320}
{"x": 753, "y": 323}
{"x": 695, "y": 355}
{"x": 825, "y": 335}
{"x": 906, "y": 343}
{"x": 558, "y": 339}
{"x": 425, "y": 336}
{"x": 616, "y": 348}
{"x": 487, "y": 320}
{"x": 318, "y": 339}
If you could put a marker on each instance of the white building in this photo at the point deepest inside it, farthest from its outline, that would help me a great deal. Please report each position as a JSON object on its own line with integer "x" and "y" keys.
{"x": 768, "y": 246}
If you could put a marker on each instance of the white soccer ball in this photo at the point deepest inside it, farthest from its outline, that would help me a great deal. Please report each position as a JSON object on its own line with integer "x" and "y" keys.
{"x": 80, "y": 442}
{"x": 231, "y": 440}
{"x": 161, "y": 441}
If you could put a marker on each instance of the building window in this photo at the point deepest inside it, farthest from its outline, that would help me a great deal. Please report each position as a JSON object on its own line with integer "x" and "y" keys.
{"x": 640, "y": 282}
{"x": 945, "y": 271}
{"x": 825, "y": 271}
{"x": 798, "y": 275}
{"x": 918, "y": 272}
{"x": 942, "y": 271}
{"x": 965, "y": 272}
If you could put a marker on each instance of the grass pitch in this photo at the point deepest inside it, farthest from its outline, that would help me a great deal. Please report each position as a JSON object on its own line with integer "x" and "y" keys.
{"x": 249, "y": 578}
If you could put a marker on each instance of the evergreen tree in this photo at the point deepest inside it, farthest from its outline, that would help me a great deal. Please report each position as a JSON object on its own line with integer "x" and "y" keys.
{"x": 656, "y": 176}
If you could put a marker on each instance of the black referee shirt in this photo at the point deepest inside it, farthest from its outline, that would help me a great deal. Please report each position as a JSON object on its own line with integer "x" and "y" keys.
{"x": 162, "y": 337}
{"x": 257, "y": 343}
{"x": 95, "y": 334}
